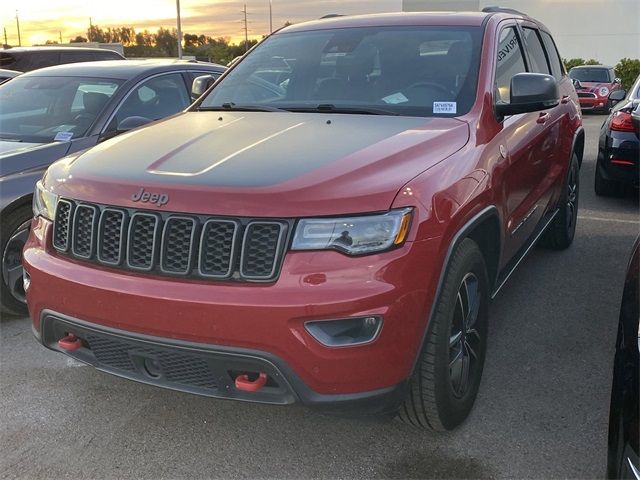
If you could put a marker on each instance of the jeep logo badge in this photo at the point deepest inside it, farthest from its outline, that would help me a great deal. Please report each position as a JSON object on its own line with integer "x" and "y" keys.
{"x": 159, "y": 199}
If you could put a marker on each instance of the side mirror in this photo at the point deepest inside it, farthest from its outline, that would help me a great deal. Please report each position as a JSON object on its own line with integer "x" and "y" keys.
{"x": 200, "y": 85}
{"x": 530, "y": 92}
{"x": 130, "y": 123}
{"x": 617, "y": 80}
{"x": 576, "y": 84}
{"x": 617, "y": 96}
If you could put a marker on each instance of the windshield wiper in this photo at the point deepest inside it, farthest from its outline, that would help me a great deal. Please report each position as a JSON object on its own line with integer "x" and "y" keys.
{"x": 355, "y": 110}
{"x": 230, "y": 106}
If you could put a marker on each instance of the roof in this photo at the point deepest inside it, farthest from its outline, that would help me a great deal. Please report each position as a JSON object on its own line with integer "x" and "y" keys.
{"x": 55, "y": 48}
{"x": 122, "y": 69}
{"x": 394, "y": 19}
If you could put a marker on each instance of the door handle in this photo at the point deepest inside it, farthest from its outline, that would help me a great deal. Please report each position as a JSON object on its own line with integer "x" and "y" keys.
{"x": 542, "y": 119}
{"x": 565, "y": 99}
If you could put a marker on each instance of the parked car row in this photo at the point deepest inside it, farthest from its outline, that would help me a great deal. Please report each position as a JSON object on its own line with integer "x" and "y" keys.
{"x": 26, "y": 59}
{"x": 324, "y": 225}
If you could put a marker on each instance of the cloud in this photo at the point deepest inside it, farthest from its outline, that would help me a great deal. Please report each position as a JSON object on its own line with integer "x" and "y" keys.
{"x": 222, "y": 18}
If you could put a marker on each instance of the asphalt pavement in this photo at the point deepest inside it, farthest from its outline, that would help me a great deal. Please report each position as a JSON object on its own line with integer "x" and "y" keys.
{"x": 542, "y": 410}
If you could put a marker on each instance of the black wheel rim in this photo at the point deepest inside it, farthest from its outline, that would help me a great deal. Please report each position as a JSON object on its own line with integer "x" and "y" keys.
{"x": 572, "y": 198}
{"x": 464, "y": 339}
{"x": 12, "y": 273}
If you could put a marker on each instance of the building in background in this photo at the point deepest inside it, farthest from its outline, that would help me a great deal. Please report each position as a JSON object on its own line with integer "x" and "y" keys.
{"x": 606, "y": 30}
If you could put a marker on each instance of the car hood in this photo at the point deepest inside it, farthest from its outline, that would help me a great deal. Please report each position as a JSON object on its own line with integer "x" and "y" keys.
{"x": 262, "y": 163}
{"x": 8, "y": 147}
{"x": 19, "y": 156}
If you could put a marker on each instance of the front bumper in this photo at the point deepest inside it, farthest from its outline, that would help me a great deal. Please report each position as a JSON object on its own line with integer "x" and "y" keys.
{"x": 589, "y": 103}
{"x": 264, "y": 323}
{"x": 201, "y": 369}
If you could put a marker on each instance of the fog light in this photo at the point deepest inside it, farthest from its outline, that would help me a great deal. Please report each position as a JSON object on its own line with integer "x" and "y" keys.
{"x": 152, "y": 368}
{"x": 345, "y": 332}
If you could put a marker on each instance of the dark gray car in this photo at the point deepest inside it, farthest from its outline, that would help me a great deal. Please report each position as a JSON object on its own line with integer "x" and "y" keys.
{"x": 53, "y": 112}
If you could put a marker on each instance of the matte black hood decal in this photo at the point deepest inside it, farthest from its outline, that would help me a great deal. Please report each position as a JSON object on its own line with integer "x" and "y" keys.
{"x": 238, "y": 149}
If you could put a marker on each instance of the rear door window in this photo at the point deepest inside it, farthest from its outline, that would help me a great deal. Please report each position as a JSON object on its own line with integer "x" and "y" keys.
{"x": 557, "y": 69}
{"x": 536, "y": 51}
{"x": 510, "y": 62}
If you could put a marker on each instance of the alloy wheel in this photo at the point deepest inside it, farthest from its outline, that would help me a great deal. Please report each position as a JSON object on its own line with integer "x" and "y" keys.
{"x": 12, "y": 273}
{"x": 464, "y": 338}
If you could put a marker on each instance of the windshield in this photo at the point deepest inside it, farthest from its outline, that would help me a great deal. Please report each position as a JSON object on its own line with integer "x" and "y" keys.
{"x": 596, "y": 75}
{"x": 44, "y": 109}
{"x": 413, "y": 71}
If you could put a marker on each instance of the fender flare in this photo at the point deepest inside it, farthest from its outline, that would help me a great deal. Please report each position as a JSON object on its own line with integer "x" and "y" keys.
{"x": 460, "y": 235}
{"x": 579, "y": 133}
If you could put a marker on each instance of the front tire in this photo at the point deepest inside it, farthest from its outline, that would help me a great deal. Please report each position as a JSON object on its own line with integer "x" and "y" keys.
{"x": 14, "y": 230}
{"x": 446, "y": 379}
{"x": 561, "y": 232}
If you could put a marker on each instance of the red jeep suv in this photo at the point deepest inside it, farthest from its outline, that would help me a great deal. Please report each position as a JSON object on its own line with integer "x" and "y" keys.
{"x": 326, "y": 225}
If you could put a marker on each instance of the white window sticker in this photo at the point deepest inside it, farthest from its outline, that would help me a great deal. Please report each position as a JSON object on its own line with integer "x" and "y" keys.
{"x": 395, "y": 99}
{"x": 444, "y": 107}
{"x": 63, "y": 137}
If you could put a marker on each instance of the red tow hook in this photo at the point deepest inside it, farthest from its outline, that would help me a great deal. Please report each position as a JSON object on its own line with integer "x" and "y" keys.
{"x": 70, "y": 343}
{"x": 244, "y": 384}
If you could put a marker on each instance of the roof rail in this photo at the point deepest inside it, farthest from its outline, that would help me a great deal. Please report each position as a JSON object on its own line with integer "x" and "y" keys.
{"x": 496, "y": 9}
{"x": 331, "y": 15}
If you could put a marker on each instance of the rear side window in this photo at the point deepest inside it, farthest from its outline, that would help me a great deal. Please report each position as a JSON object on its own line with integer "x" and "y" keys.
{"x": 108, "y": 55}
{"x": 536, "y": 51}
{"x": 28, "y": 61}
{"x": 7, "y": 61}
{"x": 510, "y": 62}
{"x": 75, "y": 57}
{"x": 557, "y": 69}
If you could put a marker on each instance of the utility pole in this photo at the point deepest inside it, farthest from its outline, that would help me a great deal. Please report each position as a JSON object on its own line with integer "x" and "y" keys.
{"x": 90, "y": 32}
{"x": 270, "y": 16}
{"x": 18, "y": 25}
{"x": 246, "y": 30}
{"x": 5, "y": 36}
{"x": 60, "y": 33}
{"x": 179, "y": 31}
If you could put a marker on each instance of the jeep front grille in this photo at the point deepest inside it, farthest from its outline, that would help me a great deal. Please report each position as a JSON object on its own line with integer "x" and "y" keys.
{"x": 240, "y": 249}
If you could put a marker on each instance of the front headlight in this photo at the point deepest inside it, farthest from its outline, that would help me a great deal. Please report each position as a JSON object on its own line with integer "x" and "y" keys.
{"x": 354, "y": 235}
{"x": 603, "y": 92}
{"x": 44, "y": 202}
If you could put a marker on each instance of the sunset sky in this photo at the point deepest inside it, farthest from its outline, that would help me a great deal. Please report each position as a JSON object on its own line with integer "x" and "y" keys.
{"x": 42, "y": 20}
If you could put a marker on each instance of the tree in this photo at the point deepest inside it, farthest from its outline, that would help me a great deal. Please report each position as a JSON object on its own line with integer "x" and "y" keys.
{"x": 167, "y": 41}
{"x": 95, "y": 34}
{"x": 78, "y": 39}
{"x": 628, "y": 70}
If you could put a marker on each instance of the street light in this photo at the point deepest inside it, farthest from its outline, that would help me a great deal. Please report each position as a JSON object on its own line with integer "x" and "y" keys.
{"x": 179, "y": 30}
